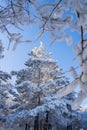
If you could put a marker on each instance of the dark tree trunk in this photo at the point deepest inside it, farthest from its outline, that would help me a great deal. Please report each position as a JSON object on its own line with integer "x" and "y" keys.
{"x": 41, "y": 125}
{"x": 26, "y": 127}
{"x": 38, "y": 100}
{"x": 47, "y": 116}
{"x": 46, "y": 125}
{"x": 36, "y": 123}
{"x": 69, "y": 127}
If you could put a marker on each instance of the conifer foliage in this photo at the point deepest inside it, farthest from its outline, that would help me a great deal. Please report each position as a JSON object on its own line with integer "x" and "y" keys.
{"x": 38, "y": 85}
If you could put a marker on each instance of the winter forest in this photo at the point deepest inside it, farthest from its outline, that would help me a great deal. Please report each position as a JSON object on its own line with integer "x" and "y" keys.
{"x": 40, "y": 96}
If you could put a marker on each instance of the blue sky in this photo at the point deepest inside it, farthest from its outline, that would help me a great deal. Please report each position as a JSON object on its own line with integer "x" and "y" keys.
{"x": 62, "y": 53}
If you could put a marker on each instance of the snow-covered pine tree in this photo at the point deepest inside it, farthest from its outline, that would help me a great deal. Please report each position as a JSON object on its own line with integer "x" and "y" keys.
{"x": 4, "y": 77}
{"x": 38, "y": 86}
{"x": 6, "y": 94}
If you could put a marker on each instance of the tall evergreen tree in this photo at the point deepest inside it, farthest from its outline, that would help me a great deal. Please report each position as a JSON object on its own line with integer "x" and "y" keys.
{"x": 42, "y": 74}
{"x": 38, "y": 85}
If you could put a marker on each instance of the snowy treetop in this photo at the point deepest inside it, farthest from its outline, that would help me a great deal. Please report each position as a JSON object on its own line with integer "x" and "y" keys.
{"x": 39, "y": 52}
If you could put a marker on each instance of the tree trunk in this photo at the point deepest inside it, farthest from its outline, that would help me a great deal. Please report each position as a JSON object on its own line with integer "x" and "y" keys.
{"x": 41, "y": 125}
{"x": 36, "y": 123}
{"x": 39, "y": 102}
{"x": 69, "y": 127}
{"x": 27, "y": 127}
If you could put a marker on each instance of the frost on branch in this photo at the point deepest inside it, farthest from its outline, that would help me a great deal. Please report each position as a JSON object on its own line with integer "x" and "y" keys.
{"x": 79, "y": 7}
{"x": 1, "y": 50}
{"x": 65, "y": 91}
{"x": 55, "y": 17}
{"x": 49, "y": 16}
{"x": 14, "y": 14}
{"x": 79, "y": 79}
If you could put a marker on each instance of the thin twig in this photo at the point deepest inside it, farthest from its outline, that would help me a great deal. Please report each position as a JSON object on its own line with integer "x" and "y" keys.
{"x": 12, "y": 7}
{"x": 52, "y": 12}
{"x": 82, "y": 39}
{"x": 6, "y": 30}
